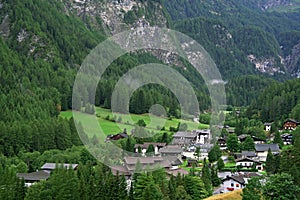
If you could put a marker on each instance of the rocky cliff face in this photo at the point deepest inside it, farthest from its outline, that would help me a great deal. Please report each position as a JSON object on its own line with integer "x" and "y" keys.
{"x": 114, "y": 16}
{"x": 292, "y": 61}
{"x": 268, "y": 4}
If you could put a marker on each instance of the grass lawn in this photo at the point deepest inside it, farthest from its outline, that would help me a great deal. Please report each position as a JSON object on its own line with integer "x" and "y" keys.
{"x": 235, "y": 195}
{"x": 109, "y": 127}
{"x": 230, "y": 165}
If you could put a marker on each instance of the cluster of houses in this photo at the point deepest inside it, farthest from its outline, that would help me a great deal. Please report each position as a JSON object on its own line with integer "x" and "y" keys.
{"x": 183, "y": 145}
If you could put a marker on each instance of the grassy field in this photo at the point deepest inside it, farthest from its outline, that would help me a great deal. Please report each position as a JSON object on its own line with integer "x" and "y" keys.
{"x": 125, "y": 121}
{"x": 235, "y": 195}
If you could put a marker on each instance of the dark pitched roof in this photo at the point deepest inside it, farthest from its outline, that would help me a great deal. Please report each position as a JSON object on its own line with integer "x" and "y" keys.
{"x": 52, "y": 166}
{"x": 240, "y": 178}
{"x": 202, "y": 131}
{"x": 34, "y": 176}
{"x": 147, "y": 144}
{"x": 117, "y": 136}
{"x": 142, "y": 160}
{"x": 120, "y": 170}
{"x": 177, "y": 171}
{"x": 292, "y": 120}
{"x": 267, "y": 124}
{"x": 173, "y": 149}
{"x": 266, "y": 147}
{"x": 248, "y": 153}
{"x": 243, "y": 136}
{"x": 246, "y": 159}
{"x": 185, "y": 134}
{"x": 287, "y": 135}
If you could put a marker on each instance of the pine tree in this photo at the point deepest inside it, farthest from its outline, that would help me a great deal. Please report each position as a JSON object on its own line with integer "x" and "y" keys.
{"x": 180, "y": 194}
{"x": 214, "y": 177}
{"x": 214, "y": 154}
{"x": 196, "y": 188}
{"x": 253, "y": 191}
{"x": 270, "y": 162}
{"x": 233, "y": 143}
{"x": 278, "y": 139}
{"x": 171, "y": 187}
{"x": 248, "y": 144}
{"x": 220, "y": 164}
{"x": 206, "y": 177}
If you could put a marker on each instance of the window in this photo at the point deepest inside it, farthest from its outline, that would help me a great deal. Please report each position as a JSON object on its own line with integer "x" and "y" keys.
{"x": 237, "y": 185}
{"x": 232, "y": 184}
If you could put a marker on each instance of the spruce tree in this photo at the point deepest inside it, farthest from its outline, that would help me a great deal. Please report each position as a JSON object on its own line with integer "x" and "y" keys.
{"x": 278, "y": 139}
{"x": 270, "y": 162}
{"x": 214, "y": 177}
{"x": 220, "y": 164}
{"x": 206, "y": 177}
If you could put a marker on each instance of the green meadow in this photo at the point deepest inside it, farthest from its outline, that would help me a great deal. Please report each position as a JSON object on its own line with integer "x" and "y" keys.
{"x": 104, "y": 119}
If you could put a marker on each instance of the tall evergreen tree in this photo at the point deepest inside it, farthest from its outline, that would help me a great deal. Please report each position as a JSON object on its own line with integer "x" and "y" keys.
{"x": 206, "y": 177}
{"x": 278, "y": 139}
{"x": 270, "y": 162}
{"x": 248, "y": 144}
{"x": 233, "y": 143}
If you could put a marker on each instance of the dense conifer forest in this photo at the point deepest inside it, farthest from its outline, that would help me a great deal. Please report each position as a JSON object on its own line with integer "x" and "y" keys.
{"x": 42, "y": 46}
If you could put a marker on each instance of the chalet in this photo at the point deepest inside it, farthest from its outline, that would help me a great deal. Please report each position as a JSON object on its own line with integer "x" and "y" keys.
{"x": 144, "y": 147}
{"x": 130, "y": 164}
{"x": 171, "y": 150}
{"x": 268, "y": 126}
{"x": 204, "y": 149}
{"x": 194, "y": 137}
{"x": 203, "y": 136}
{"x": 238, "y": 181}
{"x": 222, "y": 143}
{"x": 249, "y": 154}
{"x": 31, "y": 178}
{"x": 44, "y": 173}
{"x": 257, "y": 140}
{"x": 116, "y": 137}
{"x": 184, "y": 138}
{"x": 287, "y": 138}
{"x": 248, "y": 163}
{"x": 290, "y": 124}
{"x": 262, "y": 150}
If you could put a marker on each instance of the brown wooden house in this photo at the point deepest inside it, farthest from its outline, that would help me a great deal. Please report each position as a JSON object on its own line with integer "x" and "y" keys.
{"x": 290, "y": 124}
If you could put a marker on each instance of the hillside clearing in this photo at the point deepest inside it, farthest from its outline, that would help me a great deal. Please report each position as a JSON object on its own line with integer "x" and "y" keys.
{"x": 235, "y": 195}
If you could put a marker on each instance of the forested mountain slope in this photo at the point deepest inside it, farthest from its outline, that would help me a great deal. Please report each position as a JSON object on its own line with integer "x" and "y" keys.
{"x": 44, "y": 42}
{"x": 278, "y": 102}
{"x": 261, "y": 30}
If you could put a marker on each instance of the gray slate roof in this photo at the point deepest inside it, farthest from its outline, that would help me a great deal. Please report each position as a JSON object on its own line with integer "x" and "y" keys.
{"x": 266, "y": 147}
{"x": 246, "y": 159}
{"x": 34, "y": 176}
{"x": 172, "y": 149}
{"x": 248, "y": 153}
{"x": 185, "y": 134}
{"x": 147, "y": 144}
{"x": 52, "y": 166}
{"x": 240, "y": 178}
